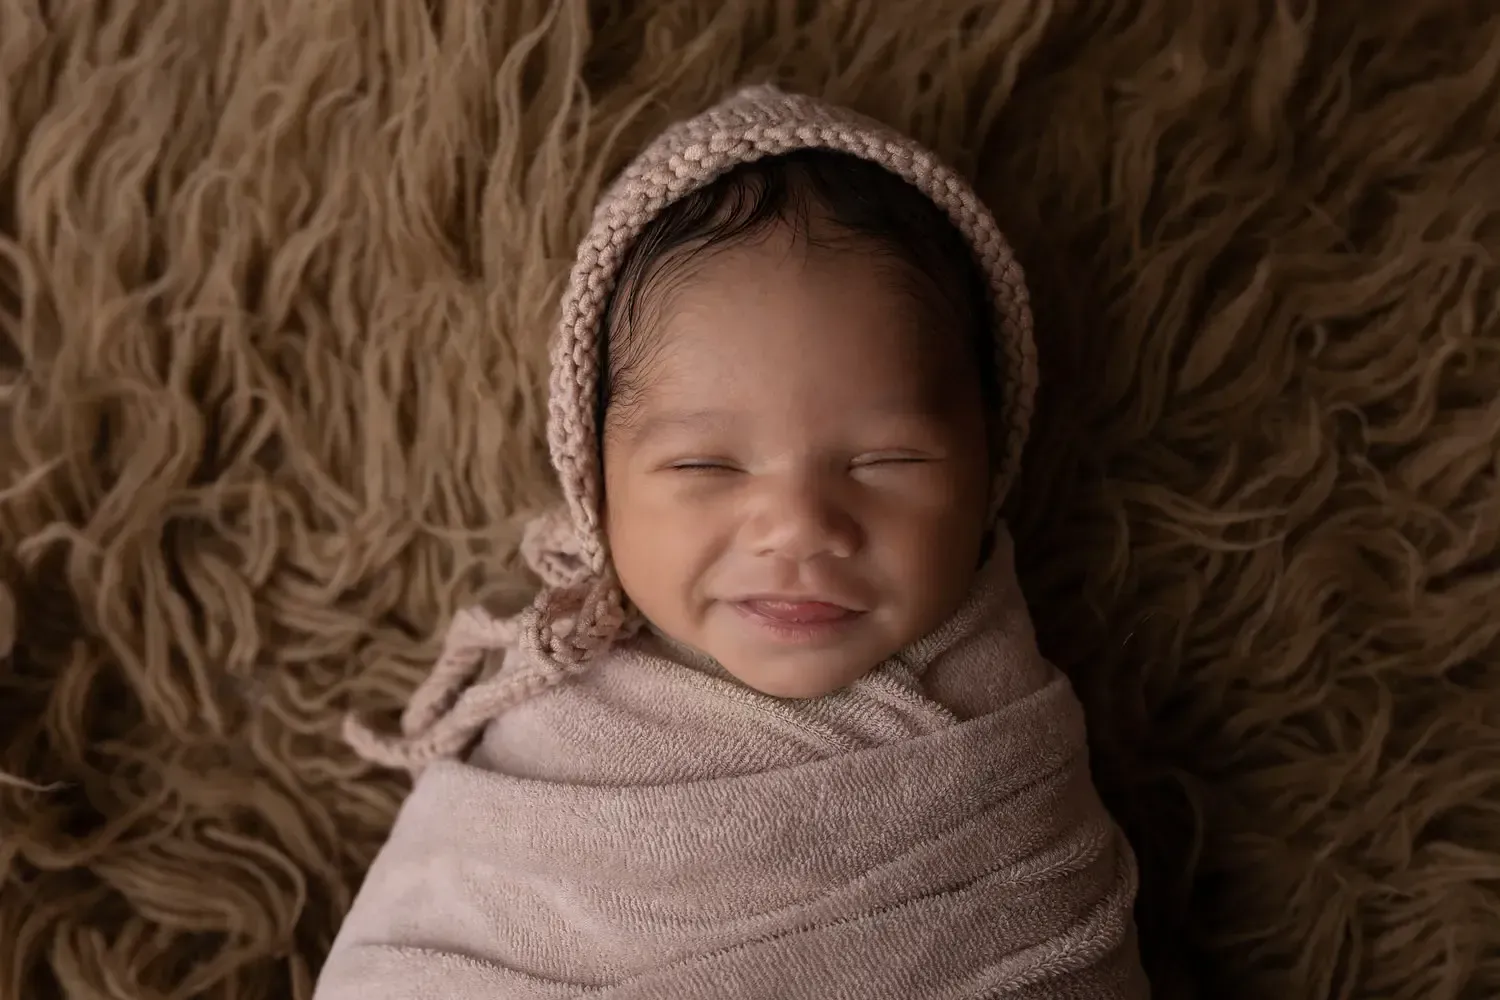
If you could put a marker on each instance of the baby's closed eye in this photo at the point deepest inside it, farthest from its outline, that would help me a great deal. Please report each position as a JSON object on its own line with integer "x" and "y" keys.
{"x": 719, "y": 466}
{"x": 893, "y": 458}
{"x": 867, "y": 461}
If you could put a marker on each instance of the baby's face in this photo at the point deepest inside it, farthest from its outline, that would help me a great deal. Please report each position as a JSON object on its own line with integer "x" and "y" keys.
{"x": 799, "y": 486}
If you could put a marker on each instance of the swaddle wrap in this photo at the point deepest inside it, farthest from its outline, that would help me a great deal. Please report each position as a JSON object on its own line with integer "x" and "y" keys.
{"x": 601, "y": 811}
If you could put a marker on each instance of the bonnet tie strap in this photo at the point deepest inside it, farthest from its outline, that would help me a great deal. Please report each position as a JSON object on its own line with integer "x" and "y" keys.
{"x": 575, "y": 617}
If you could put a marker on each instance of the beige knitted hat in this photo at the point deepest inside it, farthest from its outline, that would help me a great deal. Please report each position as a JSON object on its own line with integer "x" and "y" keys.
{"x": 581, "y": 610}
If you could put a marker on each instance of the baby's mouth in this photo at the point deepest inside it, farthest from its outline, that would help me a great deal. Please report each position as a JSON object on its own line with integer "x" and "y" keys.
{"x": 796, "y": 612}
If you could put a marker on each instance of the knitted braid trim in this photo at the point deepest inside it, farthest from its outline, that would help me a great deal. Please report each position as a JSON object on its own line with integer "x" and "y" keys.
{"x": 573, "y": 618}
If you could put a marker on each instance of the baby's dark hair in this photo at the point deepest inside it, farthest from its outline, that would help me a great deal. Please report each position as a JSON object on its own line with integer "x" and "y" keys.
{"x": 861, "y": 205}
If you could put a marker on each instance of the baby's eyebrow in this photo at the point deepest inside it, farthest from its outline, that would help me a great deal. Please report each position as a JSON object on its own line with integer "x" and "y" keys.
{"x": 663, "y": 421}
{"x": 648, "y": 425}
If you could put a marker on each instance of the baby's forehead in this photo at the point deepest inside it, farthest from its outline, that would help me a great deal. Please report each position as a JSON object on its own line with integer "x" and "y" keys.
{"x": 703, "y": 365}
{"x": 805, "y": 324}
{"x": 860, "y": 312}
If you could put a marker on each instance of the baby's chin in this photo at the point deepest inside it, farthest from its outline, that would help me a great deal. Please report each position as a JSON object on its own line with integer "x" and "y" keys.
{"x": 799, "y": 676}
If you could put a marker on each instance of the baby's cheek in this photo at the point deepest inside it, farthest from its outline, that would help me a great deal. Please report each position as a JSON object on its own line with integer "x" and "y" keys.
{"x": 936, "y": 549}
{"x": 659, "y": 542}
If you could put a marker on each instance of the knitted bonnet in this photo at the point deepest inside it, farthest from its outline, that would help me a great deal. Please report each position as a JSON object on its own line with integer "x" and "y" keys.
{"x": 580, "y": 610}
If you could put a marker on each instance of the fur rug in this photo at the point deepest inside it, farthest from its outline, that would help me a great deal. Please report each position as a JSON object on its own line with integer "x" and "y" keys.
{"x": 276, "y": 280}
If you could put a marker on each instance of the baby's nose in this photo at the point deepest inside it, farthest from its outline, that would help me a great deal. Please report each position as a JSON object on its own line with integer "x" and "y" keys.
{"x": 803, "y": 520}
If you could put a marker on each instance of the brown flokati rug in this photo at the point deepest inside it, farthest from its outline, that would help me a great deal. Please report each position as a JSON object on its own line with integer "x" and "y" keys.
{"x": 276, "y": 280}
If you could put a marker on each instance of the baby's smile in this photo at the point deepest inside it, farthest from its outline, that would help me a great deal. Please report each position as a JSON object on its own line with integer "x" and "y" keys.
{"x": 797, "y": 620}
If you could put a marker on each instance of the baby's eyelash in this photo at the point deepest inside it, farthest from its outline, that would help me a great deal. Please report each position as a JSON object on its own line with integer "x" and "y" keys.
{"x": 706, "y": 466}
{"x": 702, "y": 466}
{"x": 866, "y": 462}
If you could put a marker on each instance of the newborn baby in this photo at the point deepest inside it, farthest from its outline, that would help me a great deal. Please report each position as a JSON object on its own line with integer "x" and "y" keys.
{"x": 776, "y": 724}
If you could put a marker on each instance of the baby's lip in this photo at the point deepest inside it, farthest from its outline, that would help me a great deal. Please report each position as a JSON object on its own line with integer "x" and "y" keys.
{"x": 797, "y": 608}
